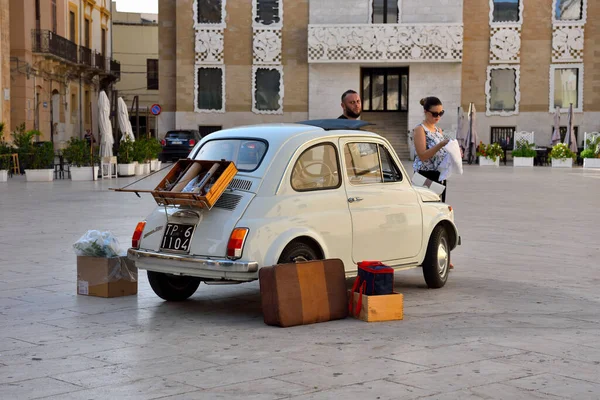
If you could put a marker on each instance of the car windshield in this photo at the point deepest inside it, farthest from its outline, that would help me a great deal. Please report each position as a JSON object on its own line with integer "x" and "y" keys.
{"x": 179, "y": 135}
{"x": 246, "y": 154}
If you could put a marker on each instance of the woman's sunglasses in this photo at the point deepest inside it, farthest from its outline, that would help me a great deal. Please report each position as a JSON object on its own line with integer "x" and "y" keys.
{"x": 436, "y": 114}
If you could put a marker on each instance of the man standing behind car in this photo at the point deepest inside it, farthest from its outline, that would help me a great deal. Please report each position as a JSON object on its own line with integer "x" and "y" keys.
{"x": 351, "y": 105}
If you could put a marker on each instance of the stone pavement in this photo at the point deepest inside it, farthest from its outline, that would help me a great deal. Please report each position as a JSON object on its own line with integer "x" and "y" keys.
{"x": 518, "y": 319}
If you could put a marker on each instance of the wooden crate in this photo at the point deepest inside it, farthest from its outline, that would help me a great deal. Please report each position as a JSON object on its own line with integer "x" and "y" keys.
{"x": 379, "y": 308}
{"x": 223, "y": 175}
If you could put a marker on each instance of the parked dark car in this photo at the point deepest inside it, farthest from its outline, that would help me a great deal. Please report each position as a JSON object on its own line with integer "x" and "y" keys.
{"x": 178, "y": 144}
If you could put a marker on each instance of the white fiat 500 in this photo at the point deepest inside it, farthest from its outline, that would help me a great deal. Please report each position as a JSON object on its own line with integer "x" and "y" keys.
{"x": 312, "y": 190}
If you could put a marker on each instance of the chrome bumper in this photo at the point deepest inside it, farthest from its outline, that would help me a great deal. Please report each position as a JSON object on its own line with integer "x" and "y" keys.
{"x": 208, "y": 264}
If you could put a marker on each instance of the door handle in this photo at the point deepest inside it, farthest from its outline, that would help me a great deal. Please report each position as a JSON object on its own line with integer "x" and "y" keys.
{"x": 354, "y": 199}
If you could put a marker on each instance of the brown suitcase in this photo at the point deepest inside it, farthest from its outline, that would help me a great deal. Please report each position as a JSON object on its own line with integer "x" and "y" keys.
{"x": 303, "y": 293}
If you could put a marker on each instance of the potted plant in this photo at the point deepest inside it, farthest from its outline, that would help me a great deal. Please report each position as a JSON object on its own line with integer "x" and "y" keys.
{"x": 154, "y": 149}
{"x": 140, "y": 155}
{"x": 591, "y": 155}
{"x": 5, "y": 152}
{"x": 562, "y": 156}
{"x": 23, "y": 141}
{"x": 125, "y": 162}
{"x": 41, "y": 168}
{"x": 83, "y": 166}
{"x": 523, "y": 154}
{"x": 489, "y": 155}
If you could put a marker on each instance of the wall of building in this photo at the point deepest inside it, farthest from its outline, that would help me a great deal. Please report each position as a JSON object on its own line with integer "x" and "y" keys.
{"x": 339, "y": 12}
{"x": 167, "y": 64}
{"x": 431, "y": 11}
{"x": 5, "y": 67}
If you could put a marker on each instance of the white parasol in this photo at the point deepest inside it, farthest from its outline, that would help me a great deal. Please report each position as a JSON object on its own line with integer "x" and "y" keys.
{"x": 107, "y": 140}
{"x": 556, "y": 133}
{"x": 570, "y": 136}
{"x": 124, "y": 123}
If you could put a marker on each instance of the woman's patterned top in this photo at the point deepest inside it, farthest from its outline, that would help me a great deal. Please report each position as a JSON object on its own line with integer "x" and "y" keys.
{"x": 431, "y": 139}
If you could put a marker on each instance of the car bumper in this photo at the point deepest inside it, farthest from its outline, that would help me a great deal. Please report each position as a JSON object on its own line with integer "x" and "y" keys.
{"x": 203, "y": 267}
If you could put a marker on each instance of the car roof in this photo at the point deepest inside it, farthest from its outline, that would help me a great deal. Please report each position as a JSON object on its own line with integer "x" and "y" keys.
{"x": 279, "y": 133}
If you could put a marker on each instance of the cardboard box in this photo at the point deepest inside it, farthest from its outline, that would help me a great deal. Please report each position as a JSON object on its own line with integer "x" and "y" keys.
{"x": 106, "y": 277}
{"x": 388, "y": 307}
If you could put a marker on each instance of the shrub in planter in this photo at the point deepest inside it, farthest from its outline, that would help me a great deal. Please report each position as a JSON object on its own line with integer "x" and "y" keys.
{"x": 125, "y": 155}
{"x": 492, "y": 151}
{"x": 79, "y": 154}
{"x": 42, "y": 162}
{"x": 524, "y": 149}
{"x": 561, "y": 152}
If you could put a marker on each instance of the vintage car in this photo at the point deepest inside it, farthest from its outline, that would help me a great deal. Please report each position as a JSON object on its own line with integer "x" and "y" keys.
{"x": 305, "y": 191}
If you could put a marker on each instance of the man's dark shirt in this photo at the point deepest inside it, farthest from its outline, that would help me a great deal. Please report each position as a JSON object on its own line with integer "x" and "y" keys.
{"x": 342, "y": 117}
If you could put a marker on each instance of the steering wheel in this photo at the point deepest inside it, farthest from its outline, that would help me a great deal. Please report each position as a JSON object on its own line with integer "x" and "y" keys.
{"x": 310, "y": 180}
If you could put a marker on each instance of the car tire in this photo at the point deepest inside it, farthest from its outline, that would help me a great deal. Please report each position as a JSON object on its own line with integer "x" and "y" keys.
{"x": 437, "y": 260}
{"x": 298, "y": 251}
{"x": 171, "y": 287}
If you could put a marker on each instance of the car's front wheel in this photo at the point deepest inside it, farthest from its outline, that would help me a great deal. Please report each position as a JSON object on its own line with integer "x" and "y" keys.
{"x": 297, "y": 251}
{"x": 172, "y": 287}
{"x": 437, "y": 259}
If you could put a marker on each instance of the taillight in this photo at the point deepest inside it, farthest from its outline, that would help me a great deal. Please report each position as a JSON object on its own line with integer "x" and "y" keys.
{"x": 192, "y": 142}
{"x": 163, "y": 143}
{"x": 235, "y": 246}
{"x": 137, "y": 235}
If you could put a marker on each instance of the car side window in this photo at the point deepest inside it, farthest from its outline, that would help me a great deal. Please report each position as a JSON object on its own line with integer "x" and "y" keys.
{"x": 362, "y": 163}
{"x": 391, "y": 172}
{"x": 317, "y": 168}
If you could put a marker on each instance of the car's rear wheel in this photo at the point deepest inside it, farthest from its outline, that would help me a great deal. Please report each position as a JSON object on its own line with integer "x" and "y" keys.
{"x": 172, "y": 287}
{"x": 437, "y": 259}
{"x": 296, "y": 252}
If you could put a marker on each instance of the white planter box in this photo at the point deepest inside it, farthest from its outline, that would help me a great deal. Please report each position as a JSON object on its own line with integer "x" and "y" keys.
{"x": 564, "y": 163}
{"x": 127, "y": 169}
{"x": 3, "y": 175}
{"x": 154, "y": 165}
{"x": 591, "y": 163}
{"x": 487, "y": 162}
{"x": 146, "y": 168}
{"x": 142, "y": 169}
{"x": 39, "y": 175}
{"x": 84, "y": 173}
{"x": 523, "y": 162}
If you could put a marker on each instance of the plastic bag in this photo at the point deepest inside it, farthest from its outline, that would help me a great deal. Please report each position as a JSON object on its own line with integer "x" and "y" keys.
{"x": 452, "y": 162}
{"x": 98, "y": 244}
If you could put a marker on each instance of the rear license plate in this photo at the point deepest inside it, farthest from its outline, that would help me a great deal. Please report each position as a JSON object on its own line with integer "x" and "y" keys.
{"x": 177, "y": 237}
{"x": 176, "y": 142}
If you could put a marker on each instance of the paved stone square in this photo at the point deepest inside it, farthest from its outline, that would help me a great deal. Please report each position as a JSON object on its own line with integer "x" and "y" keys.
{"x": 518, "y": 319}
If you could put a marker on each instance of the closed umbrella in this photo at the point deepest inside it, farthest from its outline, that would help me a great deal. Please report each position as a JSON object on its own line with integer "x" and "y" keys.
{"x": 460, "y": 128}
{"x": 107, "y": 140}
{"x": 124, "y": 123}
{"x": 570, "y": 136}
{"x": 556, "y": 133}
{"x": 472, "y": 139}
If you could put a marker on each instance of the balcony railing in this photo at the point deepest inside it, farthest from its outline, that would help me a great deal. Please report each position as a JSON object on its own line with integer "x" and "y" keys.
{"x": 100, "y": 61}
{"x": 381, "y": 43}
{"x": 48, "y": 42}
{"x": 85, "y": 56}
{"x": 115, "y": 68}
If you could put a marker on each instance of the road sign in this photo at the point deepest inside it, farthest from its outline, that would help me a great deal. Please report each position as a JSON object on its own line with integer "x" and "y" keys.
{"x": 155, "y": 109}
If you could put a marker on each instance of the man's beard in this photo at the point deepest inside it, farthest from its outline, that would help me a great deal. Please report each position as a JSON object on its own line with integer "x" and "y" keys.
{"x": 352, "y": 114}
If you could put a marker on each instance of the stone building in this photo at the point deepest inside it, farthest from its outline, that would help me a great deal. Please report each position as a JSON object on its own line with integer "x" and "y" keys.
{"x": 60, "y": 58}
{"x": 524, "y": 58}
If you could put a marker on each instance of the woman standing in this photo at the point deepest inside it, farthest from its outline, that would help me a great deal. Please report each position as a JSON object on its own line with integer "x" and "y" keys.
{"x": 429, "y": 142}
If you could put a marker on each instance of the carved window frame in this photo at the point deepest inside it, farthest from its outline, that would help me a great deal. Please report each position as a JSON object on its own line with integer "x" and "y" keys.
{"x": 221, "y": 24}
{"x": 255, "y": 69}
{"x": 488, "y": 90}
{"x": 581, "y": 21}
{"x": 223, "y": 94}
{"x": 260, "y": 25}
{"x": 553, "y": 68}
{"x": 370, "y": 20}
{"x": 503, "y": 23}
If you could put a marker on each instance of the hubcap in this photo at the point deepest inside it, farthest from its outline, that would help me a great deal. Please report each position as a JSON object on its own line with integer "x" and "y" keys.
{"x": 442, "y": 257}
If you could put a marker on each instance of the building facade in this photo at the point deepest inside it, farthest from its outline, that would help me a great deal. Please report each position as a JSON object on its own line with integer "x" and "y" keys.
{"x": 5, "y": 67}
{"x": 135, "y": 40}
{"x": 60, "y": 59}
{"x": 525, "y": 58}
{"x": 393, "y": 52}
{"x": 224, "y": 63}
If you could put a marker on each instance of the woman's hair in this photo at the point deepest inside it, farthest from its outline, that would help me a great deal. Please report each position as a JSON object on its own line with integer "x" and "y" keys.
{"x": 429, "y": 102}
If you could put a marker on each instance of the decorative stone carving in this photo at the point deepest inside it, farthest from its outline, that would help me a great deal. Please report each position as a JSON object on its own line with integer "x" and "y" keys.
{"x": 267, "y": 46}
{"x": 488, "y": 90}
{"x": 385, "y": 43}
{"x": 279, "y": 110}
{"x": 567, "y": 43}
{"x": 209, "y": 46}
{"x": 505, "y": 44}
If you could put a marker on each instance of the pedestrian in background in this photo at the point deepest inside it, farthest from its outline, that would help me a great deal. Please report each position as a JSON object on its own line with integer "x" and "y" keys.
{"x": 351, "y": 105}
